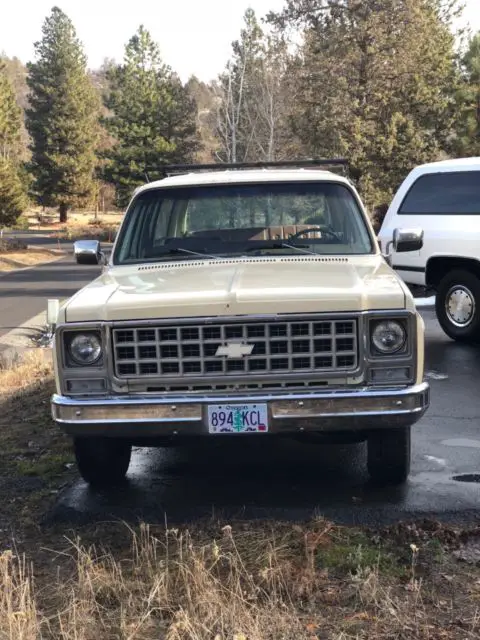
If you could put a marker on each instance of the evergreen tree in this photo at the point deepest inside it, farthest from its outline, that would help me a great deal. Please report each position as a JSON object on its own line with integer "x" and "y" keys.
{"x": 12, "y": 193}
{"x": 468, "y": 102}
{"x": 153, "y": 118}
{"x": 10, "y": 118}
{"x": 375, "y": 82}
{"x": 62, "y": 118}
{"x": 16, "y": 72}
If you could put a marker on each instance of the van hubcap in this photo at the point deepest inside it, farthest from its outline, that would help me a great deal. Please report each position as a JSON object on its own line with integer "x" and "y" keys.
{"x": 460, "y": 306}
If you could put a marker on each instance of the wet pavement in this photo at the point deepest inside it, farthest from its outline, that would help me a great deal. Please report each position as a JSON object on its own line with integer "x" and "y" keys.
{"x": 295, "y": 482}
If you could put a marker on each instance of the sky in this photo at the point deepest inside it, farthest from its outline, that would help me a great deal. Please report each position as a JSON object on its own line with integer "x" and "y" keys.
{"x": 195, "y": 36}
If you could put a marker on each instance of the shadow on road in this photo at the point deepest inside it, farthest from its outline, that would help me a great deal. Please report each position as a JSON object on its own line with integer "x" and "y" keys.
{"x": 285, "y": 480}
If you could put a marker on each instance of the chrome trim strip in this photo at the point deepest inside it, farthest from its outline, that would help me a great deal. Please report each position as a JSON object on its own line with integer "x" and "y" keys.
{"x": 410, "y": 402}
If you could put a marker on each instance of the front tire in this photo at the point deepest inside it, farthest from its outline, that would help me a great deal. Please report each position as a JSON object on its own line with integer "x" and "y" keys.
{"x": 102, "y": 462}
{"x": 458, "y": 306}
{"x": 389, "y": 455}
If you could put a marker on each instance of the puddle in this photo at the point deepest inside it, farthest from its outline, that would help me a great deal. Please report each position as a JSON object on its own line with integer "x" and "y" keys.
{"x": 462, "y": 442}
{"x": 468, "y": 477}
{"x": 436, "y": 375}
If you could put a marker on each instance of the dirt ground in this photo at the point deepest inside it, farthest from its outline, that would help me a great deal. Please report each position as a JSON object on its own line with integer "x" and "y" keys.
{"x": 49, "y": 221}
{"x": 212, "y": 580}
{"x": 27, "y": 258}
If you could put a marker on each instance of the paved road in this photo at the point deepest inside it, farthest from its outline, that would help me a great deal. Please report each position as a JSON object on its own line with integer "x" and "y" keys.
{"x": 23, "y": 294}
{"x": 295, "y": 482}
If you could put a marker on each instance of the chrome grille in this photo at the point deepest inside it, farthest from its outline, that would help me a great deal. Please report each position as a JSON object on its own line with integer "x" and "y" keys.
{"x": 282, "y": 347}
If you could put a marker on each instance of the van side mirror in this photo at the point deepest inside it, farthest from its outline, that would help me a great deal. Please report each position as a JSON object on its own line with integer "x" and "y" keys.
{"x": 405, "y": 240}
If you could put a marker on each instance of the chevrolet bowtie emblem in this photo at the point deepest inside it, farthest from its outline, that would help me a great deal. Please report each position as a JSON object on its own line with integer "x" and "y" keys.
{"x": 235, "y": 350}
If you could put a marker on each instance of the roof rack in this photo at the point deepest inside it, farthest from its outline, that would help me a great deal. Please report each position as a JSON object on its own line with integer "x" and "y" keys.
{"x": 168, "y": 170}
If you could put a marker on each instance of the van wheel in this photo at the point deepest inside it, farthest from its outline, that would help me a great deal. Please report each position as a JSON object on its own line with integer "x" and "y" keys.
{"x": 389, "y": 455}
{"x": 102, "y": 462}
{"x": 458, "y": 306}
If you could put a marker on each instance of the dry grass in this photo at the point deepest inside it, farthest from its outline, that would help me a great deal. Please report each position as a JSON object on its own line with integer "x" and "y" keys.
{"x": 80, "y": 225}
{"x": 30, "y": 257}
{"x": 88, "y": 218}
{"x": 37, "y": 219}
{"x": 22, "y": 373}
{"x": 103, "y": 230}
{"x": 260, "y": 582}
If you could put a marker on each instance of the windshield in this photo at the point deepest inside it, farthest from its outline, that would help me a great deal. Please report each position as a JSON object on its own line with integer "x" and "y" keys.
{"x": 261, "y": 219}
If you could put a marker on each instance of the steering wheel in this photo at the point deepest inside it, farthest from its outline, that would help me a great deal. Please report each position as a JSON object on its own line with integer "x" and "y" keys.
{"x": 324, "y": 228}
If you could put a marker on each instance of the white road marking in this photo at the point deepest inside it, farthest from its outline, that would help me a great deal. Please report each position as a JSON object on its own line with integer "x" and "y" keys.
{"x": 462, "y": 442}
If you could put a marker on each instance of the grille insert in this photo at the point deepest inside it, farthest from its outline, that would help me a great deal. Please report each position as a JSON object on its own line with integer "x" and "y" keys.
{"x": 308, "y": 346}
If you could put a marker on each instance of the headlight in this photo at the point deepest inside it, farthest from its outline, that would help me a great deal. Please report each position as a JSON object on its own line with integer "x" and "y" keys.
{"x": 388, "y": 336}
{"x": 85, "y": 348}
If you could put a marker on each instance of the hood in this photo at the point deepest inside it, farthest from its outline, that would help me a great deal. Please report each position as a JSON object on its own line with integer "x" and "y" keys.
{"x": 240, "y": 287}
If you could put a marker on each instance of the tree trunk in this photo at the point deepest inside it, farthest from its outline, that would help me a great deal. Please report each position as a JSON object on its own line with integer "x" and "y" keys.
{"x": 63, "y": 212}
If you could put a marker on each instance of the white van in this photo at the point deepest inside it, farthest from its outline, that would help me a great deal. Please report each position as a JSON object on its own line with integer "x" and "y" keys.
{"x": 442, "y": 198}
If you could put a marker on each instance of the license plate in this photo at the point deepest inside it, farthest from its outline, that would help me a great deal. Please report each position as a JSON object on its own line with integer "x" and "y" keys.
{"x": 237, "y": 418}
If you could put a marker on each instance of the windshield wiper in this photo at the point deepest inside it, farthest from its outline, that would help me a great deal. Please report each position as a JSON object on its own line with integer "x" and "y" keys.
{"x": 180, "y": 250}
{"x": 260, "y": 246}
{"x": 278, "y": 244}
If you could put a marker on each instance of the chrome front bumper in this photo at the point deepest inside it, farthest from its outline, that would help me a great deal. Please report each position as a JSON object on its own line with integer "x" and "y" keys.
{"x": 183, "y": 416}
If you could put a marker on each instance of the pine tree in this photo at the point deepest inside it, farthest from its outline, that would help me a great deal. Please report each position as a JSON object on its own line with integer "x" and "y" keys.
{"x": 16, "y": 72}
{"x": 468, "y": 102}
{"x": 62, "y": 118}
{"x": 153, "y": 118}
{"x": 375, "y": 82}
{"x": 10, "y": 118}
{"x": 12, "y": 193}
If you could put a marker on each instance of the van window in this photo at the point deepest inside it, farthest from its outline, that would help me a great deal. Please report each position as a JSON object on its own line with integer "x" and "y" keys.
{"x": 455, "y": 193}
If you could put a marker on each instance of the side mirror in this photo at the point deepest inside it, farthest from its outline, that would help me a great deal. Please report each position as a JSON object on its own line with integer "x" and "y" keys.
{"x": 88, "y": 252}
{"x": 407, "y": 240}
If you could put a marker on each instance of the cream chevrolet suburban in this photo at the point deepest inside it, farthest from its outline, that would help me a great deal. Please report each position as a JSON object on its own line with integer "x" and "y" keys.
{"x": 242, "y": 303}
